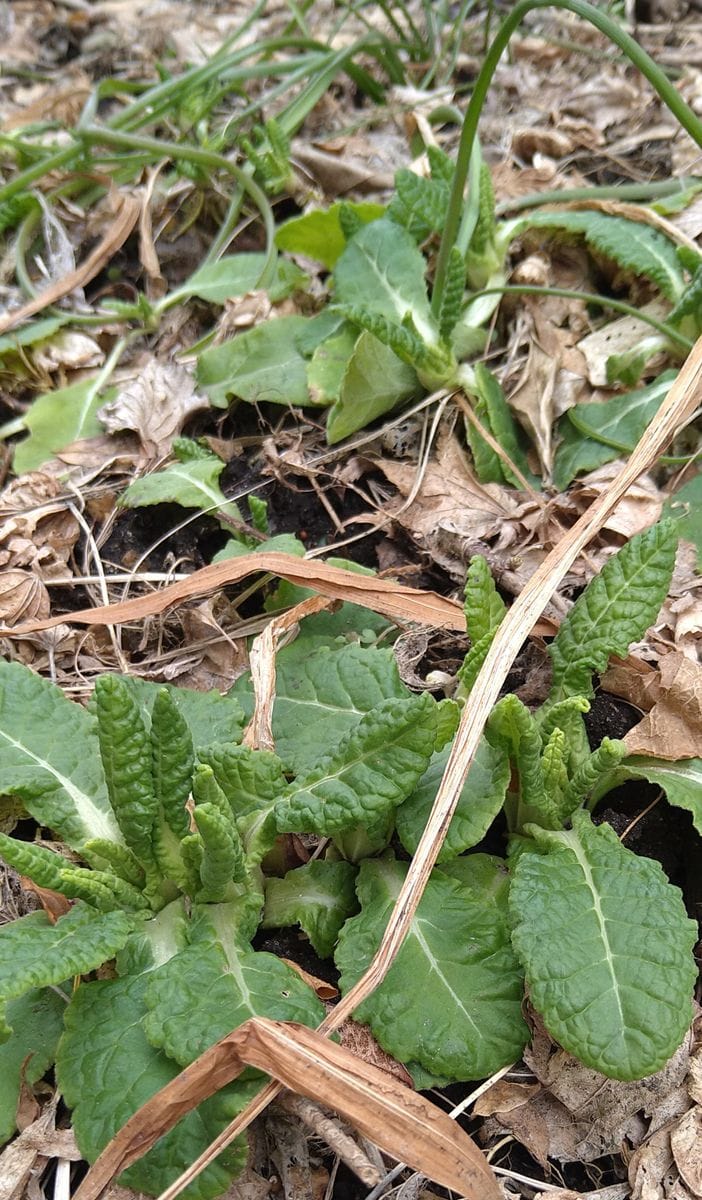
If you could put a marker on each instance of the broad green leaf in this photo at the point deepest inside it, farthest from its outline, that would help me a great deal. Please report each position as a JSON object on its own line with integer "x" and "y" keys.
{"x": 284, "y": 543}
{"x": 382, "y": 270}
{"x": 36, "y": 1019}
{"x": 58, "y": 418}
{"x": 328, "y": 366}
{"x": 237, "y": 274}
{"x": 577, "y": 454}
{"x": 263, "y": 363}
{"x": 485, "y": 875}
{"x": 107, "y": 1069}
{"x": 620, "y": 421}
{"x": 686, "y": 506}
{"x": 192, "y": 484}
{"x": 607, "y": 949}
{"x": 51, "y": 760}
{"x": 34, "y": 953}
{"x": 615, "y": 609}
{"x": 681, "y": 781}
{"x": 375, "y": 382}
{"x": 481, "y": 799}
{"x": 209, "y": 716}
{"x": 215, "y": 985}
{"x": 322, "y": 694}
{"x": 318, "y": 234}
{"x": 318, "y": 896}
{"x": 373, "y": 769}
{"x": 452, "y": 999}
{"x": 632, "y": 244}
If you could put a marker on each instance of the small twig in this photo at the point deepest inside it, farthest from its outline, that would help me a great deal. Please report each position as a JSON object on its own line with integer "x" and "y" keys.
{"x": 329, "y": 1130}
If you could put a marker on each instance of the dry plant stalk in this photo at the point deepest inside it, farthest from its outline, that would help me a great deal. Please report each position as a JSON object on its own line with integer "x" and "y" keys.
{"x": 399, "y": 1121}
{"x": 258, "y": 733}
{"x": 681, "y": 401}
{"x": 125, "y": 219}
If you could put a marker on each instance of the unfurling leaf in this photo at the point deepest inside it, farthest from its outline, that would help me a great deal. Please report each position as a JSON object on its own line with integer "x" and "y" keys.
{"x": 615, "y": 609}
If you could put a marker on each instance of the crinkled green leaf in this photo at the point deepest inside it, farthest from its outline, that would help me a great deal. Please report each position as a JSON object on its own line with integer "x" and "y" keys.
{"x": 318, "y": 896}
{"x": 51, "y": 760}
{"x": 263, "y": 363}
{"x": 322, "y": 694}
{"x": 250, "y": 779}
{"x": 237, "y": 274}
{"x": 35, "y": 953}
{"x": 216, "y": 984}
{"x": 374, "y": 383}
{"x": 419, "y": 204}
{"x": 126, "y": 761}
{"x": 382, "y": 270}
{"x": 681, "y": 781}
{"x": 373, "y": 769}
{"x": 30, "y": 334}
{"x": 632, "y": 244}
{"x": 192, "y": 484}
{"x": 485, "y": 875}
{"x": 615, "y": 609}
{"x": 480, "y": 801}
{"x": 607, "y": 949}
{"x": 58, "y": 418}
{"x": 317, "y": 234}
{"x": 36, "y": 1019}
{"x": 492, "y": 410}
{"x": 452, "y": 999}
{"x": 107, "y": 1069}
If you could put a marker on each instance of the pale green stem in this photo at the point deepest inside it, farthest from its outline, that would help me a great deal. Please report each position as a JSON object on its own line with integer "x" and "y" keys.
{"x": 591, "y": 298}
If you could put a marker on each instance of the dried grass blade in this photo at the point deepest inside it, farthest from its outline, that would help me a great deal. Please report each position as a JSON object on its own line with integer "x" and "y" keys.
{"x": 394, "y": 600}
{"x": 398, "y": 1120}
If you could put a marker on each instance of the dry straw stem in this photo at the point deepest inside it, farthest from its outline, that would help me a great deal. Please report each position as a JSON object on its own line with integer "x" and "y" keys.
{"x": 681, "y": 401}
{"x": 125, "y": 219}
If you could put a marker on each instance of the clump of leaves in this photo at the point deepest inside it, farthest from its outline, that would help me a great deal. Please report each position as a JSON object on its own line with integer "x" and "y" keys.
{"x": 175, "y": 819}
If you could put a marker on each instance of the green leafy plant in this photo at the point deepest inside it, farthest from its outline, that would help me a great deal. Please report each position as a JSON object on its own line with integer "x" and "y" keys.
{"x": 385, "y": 339}
{"x": 176, "y": 821}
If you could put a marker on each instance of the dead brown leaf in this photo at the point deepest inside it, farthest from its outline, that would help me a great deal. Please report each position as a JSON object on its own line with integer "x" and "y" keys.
{"x": 640, "y": 508}
{"x": 399, "y": 1121}
{"x": 39, "y": 1141}
{"x": 360, "y": 1041}
{"x": 673, "y": 727}
{"x": 155, "y": 404}
{"x": 124, "y": 221}
{"x": 686, "y": 1147}
{"x": 23, "y": 597}
{"x": 634, "y": 680}
{"x": 323, "y": 989}
{"x": 579, "y": 1115}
